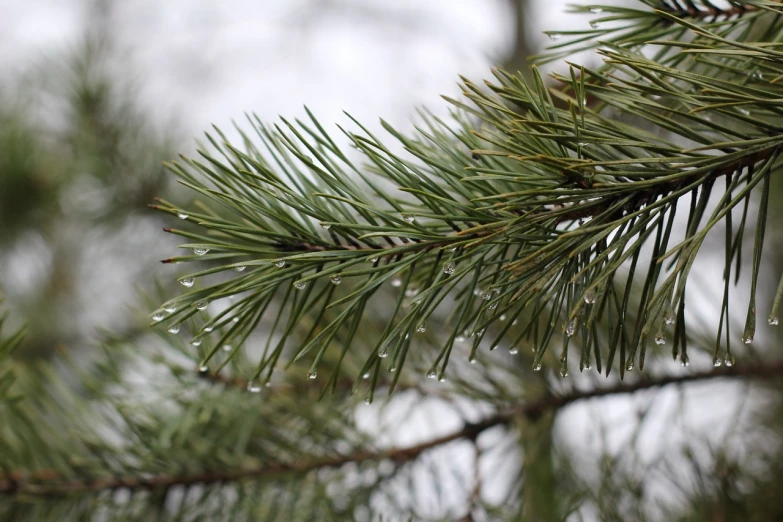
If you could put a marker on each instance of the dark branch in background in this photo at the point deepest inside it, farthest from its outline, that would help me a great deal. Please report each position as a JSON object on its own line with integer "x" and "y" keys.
{"x": 49, "y": 483}
{"x": 516, "y": 60}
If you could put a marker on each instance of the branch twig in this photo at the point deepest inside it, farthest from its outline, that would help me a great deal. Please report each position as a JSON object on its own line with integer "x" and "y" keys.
{"x": 49, "y": 483}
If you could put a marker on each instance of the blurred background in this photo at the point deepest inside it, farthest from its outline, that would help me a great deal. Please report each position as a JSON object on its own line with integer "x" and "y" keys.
{"x": 94, "y": 94}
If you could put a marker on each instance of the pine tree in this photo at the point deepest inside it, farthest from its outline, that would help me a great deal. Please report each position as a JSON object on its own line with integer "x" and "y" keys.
{"x": 530, "y": 256}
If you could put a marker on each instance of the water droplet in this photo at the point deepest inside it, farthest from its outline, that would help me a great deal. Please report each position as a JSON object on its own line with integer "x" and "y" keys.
{"x": 589, "y": 297}
{"x": 326, "y": 226}
{"x": 367, "y": 401}
{"x": 449, "y": 268}
{"x": 660, "y": 338}
{"x": 432, "y": 375}
{"x": 384, "y": 353}
{"x": 203, "y": 368}
{"x": 366, "y": 375}
{"x": 312, "y": 374}
{"x": 451, "y": 249}
{"x": 564, "y": 371}
{"x": 554, "y": 36}
{"x": 717, "y": 362}
{"x": 200, "y": 251}
{"x": 684, "y": 359}
{"x": 513, "y": 350}
{"x": 408, "y": 218}
{"x": 596, "y": 10}
{"x": 669, "y": 319}
{"x": 182, "y": 216}
{"x": 187, "y": 282}
{"x": 514, "y": 322}
{"x": 570, "y": 329}
{"x": 226, "y": 347}
{"x": 300, "y": 285}
{"x": 336, "y": 279}
{"x": 588, "y": 366}
{"x": 373, "y": 259}
{"x": 169, "y": 308}
{"x": 174, "y": 328}
{"x": 421, "y": 328}
{"x": 629, "y": 367}
{"x": 472, "y": 359}
{"x": 158, "y": 316}
{"x": 196, "y": 342}
{"x": 202, "y": 305}
{"x": 744, "y": 111}
{"x": 240, "y": 268}
{"x": 442, "y": 378}
{"x": 537, "y": 367}
{"x": 393, "y": 369}
{"x": 502, "y": 317}
{"x": 410, "y": 292}
{"x": 477, "y": 292}
{"x": 747, "y": 337}
{"x": 595, "y": 24}
{"x": 252, "y": 387}
{"x": 209, "y": 328}
{"x": 493, "y": 347}
{"x": 279, "y": 263}
{"x": 493, "y": 305}
{"x": 460, "y": 339}
{"x": 758, "y": 75}
{"x": 773, "y": 321}
{"x": 486, "y": 296}
{"x": 396, "y": 283}
{"x": 582, "y": 144}
{"x": 729, "y": 360}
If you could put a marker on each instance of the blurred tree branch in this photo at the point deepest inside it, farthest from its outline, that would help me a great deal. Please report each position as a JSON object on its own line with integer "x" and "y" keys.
{"x": 51, "y": 483}
{"x": 517, "y": 60}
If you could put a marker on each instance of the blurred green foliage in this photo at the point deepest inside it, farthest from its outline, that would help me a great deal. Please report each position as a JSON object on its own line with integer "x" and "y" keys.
{"x": 79, "y": 152}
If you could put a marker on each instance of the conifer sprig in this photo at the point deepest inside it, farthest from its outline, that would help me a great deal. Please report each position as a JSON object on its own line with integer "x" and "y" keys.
{"x": 540, "y": 214}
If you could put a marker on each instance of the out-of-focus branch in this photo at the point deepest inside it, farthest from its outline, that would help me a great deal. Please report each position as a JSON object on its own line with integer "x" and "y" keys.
{"x": 51, "y": 483}
{"x": 771, "y": 370}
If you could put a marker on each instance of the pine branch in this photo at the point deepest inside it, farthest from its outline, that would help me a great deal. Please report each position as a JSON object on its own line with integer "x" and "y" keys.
{"x": 9, "y": 342}
{"x": 547, "y": 226}
{"x": 16, "y": 484}
{"x": 691, "y": 9}
{"x": 50, "y": 483}
{"x": 623, "y": 26}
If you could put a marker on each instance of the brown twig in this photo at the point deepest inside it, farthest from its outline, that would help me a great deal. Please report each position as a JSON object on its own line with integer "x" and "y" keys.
{"x": 764, "y": 371}
{"x": 50, "y": 483}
